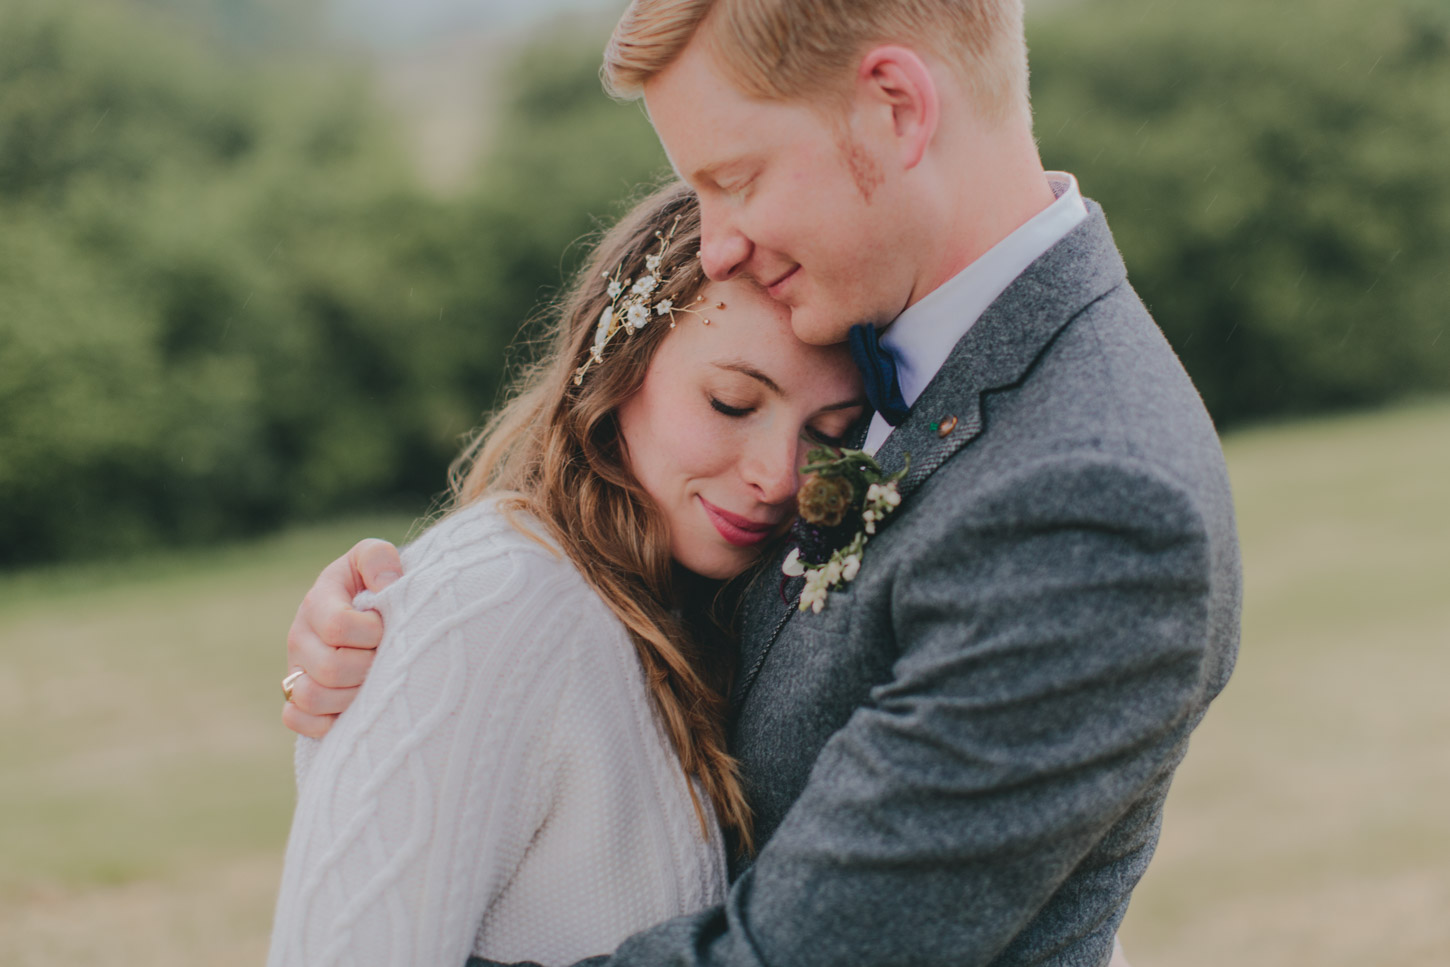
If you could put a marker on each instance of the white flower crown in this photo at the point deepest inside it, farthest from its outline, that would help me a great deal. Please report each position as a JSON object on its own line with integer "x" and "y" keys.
{"x": 630, "y": 303}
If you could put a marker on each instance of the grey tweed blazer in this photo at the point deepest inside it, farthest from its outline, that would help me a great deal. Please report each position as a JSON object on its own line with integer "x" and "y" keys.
{"x": 963, "y": 759}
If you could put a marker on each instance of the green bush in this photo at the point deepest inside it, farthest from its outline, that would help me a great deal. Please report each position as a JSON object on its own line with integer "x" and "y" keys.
{"x": 1270, "y": 172}
{"x": 210, "y": 290}
{"x": 224, "y": 304}
{"x": 567, "y": 160}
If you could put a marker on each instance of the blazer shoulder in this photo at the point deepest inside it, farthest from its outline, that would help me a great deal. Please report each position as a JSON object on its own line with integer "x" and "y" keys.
{"x": 1111, "y": 383}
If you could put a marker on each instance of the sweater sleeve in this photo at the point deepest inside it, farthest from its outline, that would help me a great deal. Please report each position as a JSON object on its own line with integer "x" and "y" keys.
{"x": 417, "y": 807}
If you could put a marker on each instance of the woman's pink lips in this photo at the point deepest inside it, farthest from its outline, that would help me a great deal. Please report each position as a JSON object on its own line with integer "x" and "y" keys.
{"x": 740, "y": 531}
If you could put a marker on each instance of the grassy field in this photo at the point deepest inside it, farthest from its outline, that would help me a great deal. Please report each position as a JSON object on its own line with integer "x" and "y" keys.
{"x": 147, "y": 781}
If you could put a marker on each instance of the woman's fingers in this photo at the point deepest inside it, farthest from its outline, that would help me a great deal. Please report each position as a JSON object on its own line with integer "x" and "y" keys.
{"x": 314, "y": 699}
{"x": 375, "y": 564}
{"x": 313, "y": 707}
{"x": 327, "y": 622}
{"x": 333, "y": 642}
{"x": 334, "y": 621}
{"x": 326, "y": 665}
{"x": 327, "y": 610}
{"x": 312, "y": 726}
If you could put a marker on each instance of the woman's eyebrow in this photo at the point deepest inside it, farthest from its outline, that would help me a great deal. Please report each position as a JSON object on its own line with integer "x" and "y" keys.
{"x": 745, "y": 369}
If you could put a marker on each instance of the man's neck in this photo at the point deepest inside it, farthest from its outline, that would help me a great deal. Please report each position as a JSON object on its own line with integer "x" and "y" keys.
{"x": 1003, "y": 189}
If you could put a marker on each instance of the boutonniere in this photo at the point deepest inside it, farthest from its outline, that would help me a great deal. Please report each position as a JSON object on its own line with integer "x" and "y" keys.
{"x": 845, "y": 495}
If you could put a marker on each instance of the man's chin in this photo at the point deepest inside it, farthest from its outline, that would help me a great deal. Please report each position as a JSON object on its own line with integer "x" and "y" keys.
{"x": 816, "y": 327}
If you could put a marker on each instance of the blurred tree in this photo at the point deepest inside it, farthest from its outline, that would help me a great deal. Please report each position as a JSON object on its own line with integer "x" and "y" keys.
{"x": 252, "y": 25}
{"x": 1269, "y": 172}
{"x": 210, "y": 291}
{"x": 224, "y": 303}
{"x": 566, "y": 162}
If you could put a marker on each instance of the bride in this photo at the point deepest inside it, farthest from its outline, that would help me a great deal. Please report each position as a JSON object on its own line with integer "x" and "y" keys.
{"x": 536, "y": 767}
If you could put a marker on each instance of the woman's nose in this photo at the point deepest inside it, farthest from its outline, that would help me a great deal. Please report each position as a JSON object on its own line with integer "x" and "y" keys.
{"x": 771, "y": 469}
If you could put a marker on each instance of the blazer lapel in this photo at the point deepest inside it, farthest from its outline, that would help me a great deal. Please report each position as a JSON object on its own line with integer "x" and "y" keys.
{"x": 769, "y": 602}
{"x": 999, "y": 350}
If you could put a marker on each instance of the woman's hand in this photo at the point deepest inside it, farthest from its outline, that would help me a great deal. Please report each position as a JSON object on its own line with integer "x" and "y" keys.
{"x": 331, "y": 642}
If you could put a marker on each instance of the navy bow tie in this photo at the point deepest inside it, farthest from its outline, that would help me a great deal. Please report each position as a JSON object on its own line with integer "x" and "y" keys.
{"x": 878, "y": 370}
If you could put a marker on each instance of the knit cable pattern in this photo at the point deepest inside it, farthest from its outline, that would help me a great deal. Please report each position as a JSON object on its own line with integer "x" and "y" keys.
{"x": 501, "y": 786}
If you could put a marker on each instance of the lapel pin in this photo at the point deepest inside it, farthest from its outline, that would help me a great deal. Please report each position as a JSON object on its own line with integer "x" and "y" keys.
{"x": 945, "y": 427}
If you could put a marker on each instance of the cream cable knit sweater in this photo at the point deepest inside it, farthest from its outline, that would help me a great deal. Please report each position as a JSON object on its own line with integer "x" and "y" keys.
{"x": 501, "y": 785}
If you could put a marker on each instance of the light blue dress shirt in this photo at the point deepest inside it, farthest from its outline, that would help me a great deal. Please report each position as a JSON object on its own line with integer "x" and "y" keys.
{"x": 922, "y": 337}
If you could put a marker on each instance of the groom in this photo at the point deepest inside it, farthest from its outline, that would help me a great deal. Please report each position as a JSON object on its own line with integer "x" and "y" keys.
{"x": 963, "y": 758}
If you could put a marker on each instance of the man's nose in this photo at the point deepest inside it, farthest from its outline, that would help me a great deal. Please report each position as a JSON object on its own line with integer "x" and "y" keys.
{"x": 724, "y": 249}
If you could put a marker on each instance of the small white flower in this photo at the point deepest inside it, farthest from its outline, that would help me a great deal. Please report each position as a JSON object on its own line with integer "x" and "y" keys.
{"x": 601, "y": 331}
{"x": 873, "y": 493}
{"x": 645, "y": 285}
{"x": 663, "y": 307}
{"x": 871, "y": 527}
{"x": 851, "y": 567}
{"x": 652, "y": 262}
{"x": 833, "y": 573}
{"x": 615, "y": 289}
{"x": 637, "y": 316}
{"x": 813, "y": 596}
{"x": 892, "y": 497}
{"x": 793, "y": 567}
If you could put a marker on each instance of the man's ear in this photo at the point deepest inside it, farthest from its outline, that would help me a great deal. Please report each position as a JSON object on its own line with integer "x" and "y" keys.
{"x": 897, "y": 79}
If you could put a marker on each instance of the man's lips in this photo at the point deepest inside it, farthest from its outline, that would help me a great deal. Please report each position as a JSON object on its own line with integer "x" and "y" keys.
{"x": 775, "y": 287}
{"x": 737, "y": 530}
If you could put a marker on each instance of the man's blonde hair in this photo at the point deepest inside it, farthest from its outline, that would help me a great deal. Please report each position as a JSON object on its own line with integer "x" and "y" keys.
{"x": 809, "y": 49}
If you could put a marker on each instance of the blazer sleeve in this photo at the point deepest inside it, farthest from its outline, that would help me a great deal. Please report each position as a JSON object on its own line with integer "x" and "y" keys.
{"x": 417, "y": 807}
{"x": 1052, "y": 644}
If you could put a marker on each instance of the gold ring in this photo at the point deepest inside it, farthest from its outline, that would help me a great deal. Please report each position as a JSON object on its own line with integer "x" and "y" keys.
{"x": 290, "y": 682}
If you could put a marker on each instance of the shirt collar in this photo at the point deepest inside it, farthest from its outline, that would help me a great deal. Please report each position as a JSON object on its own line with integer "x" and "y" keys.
{"x": 923, "y": 336}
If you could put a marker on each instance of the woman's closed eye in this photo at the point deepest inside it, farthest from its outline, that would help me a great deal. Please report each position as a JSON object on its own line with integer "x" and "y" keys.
{"x": 721, "y": 406}
{"x": 817, "y": 435}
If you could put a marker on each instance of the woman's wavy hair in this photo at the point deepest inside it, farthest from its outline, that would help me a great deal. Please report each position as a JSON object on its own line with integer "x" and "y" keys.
{"x": 555, "y": 451}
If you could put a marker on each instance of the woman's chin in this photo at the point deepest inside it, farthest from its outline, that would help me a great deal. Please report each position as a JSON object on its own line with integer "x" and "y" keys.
{"x": 715, "y": 572}
{"x": 720, "y": 564}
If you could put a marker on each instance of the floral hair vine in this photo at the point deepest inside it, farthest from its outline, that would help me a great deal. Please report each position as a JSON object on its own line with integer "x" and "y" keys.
{"x": 632, "y": 305}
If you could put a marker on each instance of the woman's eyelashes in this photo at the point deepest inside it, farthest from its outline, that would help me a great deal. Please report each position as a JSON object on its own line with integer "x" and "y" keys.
{"x": 735, "y": 411}
{"x": 814, "y": 434}
{"x": 824, "y": 438}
